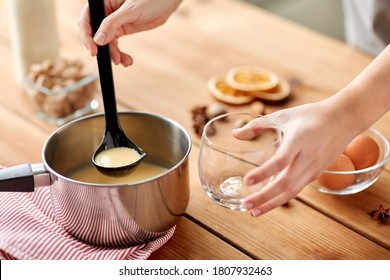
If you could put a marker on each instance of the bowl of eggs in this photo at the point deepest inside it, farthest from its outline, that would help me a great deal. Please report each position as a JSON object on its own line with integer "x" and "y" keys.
{"x": 358, "y": 167}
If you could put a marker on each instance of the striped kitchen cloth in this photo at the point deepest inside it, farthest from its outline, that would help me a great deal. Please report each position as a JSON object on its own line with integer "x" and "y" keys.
{"x": 29, "y": 230}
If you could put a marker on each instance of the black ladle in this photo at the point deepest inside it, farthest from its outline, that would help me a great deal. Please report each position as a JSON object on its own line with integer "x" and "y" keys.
{"x": 114, "y": 137}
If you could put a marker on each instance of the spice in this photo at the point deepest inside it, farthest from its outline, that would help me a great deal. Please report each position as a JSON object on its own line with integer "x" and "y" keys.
{"x": 257, "y": 108}
{"x": 61, "y": 88}
{"x": 202, "y": 114}
{"x": 380, "y": 214}
{"x": 199, "y": 118}
{"x": 215, "y": 109}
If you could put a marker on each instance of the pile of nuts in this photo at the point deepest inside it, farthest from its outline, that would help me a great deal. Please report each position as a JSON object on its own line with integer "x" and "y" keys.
{"x": 60, "y": 88}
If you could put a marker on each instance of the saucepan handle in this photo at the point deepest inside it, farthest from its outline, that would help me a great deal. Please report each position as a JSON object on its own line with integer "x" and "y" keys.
{"x": 24, "y": 178}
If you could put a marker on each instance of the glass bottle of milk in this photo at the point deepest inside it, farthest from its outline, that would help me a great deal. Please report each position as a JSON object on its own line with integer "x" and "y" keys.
{"x": 33, "y": 33}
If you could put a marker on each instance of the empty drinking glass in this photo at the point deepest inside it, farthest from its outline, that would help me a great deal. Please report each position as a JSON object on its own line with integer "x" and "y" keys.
{"x": 224, "y": 160}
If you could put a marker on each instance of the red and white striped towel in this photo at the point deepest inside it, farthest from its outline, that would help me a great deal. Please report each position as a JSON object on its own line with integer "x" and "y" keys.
{"x": 29, "y": 230}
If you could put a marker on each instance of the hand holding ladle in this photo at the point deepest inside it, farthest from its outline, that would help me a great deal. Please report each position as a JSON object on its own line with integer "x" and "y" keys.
{"x": 114, "y": 137}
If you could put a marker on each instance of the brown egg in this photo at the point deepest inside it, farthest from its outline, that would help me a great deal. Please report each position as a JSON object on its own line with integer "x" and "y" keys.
{"x": 363, "y": 151}
{"x": 338, "y": 181}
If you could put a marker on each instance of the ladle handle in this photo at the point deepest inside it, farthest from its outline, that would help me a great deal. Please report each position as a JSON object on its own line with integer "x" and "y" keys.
{"x": 98, "y": 13}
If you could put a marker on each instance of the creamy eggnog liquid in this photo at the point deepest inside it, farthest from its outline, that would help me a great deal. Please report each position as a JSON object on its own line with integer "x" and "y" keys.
{"x": 117, "y": 157}
{"x": 90, "y": 174}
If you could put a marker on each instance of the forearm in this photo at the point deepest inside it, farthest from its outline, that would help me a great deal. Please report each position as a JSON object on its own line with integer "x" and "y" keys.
{"x": 367, "y": 98}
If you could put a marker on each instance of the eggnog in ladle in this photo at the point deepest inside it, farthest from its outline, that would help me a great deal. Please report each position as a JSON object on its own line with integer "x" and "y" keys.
{"x": 117, "y": 157}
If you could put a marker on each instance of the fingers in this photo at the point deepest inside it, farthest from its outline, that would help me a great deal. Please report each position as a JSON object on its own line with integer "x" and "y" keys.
{"x": 276, "y": 193}
{"x": 91, "y": 42}
{"x": 253, "y": 128}
{"x": 123, "y": 17}
{"x": 290, "y": 170}
{"x": 113, "y": 25}
{"x": 86, "y": 31}
{"x": 293, "y": 174}
{"x": 126, "y": 60}
{"x": 119, "y": 57}
{"x": 244, "y": 133}
{"x": 284, "y": 156}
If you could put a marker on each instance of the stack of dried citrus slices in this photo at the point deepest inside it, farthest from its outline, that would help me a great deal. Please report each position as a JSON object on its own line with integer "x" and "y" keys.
{"x": 244, "y": 84}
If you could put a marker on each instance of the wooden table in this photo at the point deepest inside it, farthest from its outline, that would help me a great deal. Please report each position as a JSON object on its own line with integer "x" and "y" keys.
{"x": 169, "y": 76}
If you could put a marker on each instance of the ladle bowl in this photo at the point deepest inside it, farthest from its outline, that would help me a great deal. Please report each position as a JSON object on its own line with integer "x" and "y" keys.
{"x": 114, "y": 141}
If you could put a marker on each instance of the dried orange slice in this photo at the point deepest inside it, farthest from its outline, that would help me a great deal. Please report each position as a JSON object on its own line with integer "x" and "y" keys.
{"x": 279, "y": 92}
{"x": 221, "y": 90}
{"x": 250, "y": 78}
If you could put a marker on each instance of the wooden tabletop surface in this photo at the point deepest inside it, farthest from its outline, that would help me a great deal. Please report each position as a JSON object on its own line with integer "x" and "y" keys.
{"x": 172, "y": 64}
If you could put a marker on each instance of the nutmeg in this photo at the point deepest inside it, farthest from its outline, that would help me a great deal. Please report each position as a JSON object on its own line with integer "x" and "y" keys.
{"x": 215, "y": 109}
{"x": 257, "y": 108}
{"x": 58, "y": 99}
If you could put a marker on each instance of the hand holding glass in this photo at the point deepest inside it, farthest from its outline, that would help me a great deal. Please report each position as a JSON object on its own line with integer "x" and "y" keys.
{"x": 224, "y": 160}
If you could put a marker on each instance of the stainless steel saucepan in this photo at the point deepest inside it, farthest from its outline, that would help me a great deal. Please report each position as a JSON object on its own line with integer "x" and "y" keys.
{"x": 113, "y": 215}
